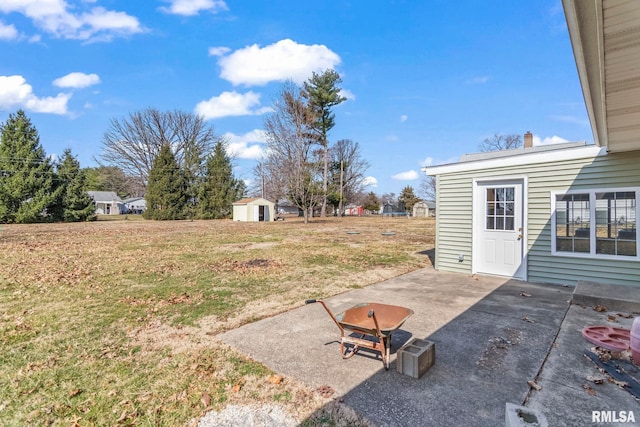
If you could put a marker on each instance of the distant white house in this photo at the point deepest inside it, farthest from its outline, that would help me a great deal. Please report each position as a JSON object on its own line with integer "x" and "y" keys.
{"x": 107, "y": 203}
{"x": 135, "y": 205}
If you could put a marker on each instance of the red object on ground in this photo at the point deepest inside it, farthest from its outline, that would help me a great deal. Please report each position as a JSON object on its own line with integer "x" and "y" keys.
{"x": 635, "y": 341}
{"x": 614, "y": 339}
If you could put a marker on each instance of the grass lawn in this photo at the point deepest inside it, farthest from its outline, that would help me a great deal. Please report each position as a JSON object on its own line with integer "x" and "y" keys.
{"x": 114, "y": 322}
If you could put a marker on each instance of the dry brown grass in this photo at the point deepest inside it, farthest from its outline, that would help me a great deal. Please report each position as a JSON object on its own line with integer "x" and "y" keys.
{"x": 114, "y": 323}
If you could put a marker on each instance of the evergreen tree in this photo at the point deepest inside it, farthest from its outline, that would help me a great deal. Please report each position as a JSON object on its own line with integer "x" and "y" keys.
{"x": 408, "y": 197}
{"x": 166, "y": 197}
{"x": 27, "y": 190}
{"x": 322, "y": 93}
{"x": 371, "y": 203}
{"x": 219, "y": 189}
{"x": 75, "y": 202}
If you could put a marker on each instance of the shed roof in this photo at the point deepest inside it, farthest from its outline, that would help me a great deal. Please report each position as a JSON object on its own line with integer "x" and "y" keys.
{"x": 104, "y": 196}
{"x": 248, "y": 200}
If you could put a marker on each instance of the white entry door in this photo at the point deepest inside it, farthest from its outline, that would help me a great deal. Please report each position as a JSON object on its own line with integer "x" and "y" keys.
{"x": 499, "y": 231}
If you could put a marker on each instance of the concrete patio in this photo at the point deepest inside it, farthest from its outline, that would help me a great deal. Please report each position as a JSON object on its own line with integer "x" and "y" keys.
{"x": 492, "y": 336}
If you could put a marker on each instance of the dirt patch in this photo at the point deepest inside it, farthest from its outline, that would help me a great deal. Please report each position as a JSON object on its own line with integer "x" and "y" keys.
{"x": 498, "y": 348}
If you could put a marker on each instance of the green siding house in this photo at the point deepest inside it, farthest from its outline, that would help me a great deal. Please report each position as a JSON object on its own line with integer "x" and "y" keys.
{"x": 566, "y": 212}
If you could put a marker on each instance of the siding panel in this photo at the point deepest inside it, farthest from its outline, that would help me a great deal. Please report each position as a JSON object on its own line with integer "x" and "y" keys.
{"x": 454, "y": 228}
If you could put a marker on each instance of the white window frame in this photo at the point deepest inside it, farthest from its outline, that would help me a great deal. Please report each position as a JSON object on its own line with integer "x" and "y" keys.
{"x": 592, "y": 224}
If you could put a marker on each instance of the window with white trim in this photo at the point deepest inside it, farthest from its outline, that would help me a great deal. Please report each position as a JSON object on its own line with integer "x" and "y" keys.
{"x": 596, "y": 223}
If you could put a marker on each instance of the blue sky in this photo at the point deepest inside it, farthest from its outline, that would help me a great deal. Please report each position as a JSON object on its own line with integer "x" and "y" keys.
{"x": 426, "y": 81}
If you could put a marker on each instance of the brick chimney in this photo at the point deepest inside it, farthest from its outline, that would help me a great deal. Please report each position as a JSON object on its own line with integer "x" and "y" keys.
{"x": 528, "y": 140}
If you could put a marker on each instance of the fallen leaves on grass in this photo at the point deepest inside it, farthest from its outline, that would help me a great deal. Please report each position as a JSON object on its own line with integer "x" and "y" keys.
{"x": 247, "y": 266}
{"x": 206, "y": 400}
{"x": 325, "y": 391}
{"x": 275, "y": 379}
{"x": 75, "y": 392}
{"x": 182, "y": 298}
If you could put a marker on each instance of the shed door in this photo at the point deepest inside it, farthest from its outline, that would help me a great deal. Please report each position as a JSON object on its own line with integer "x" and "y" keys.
{"x": 499, "y": 229}
{"x": 256, "y": 213}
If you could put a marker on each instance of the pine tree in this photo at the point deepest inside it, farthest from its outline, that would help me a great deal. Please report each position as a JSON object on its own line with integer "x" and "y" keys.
{"x": 27, "y": 190}
{"x": 220, "y": 188}
{"x": 75, "y": 202}
{"x": 371, "y": 203}
{"x": 166, "y": 197}
{"x": 322, "y": 92}
{"x": 408, "y": 197}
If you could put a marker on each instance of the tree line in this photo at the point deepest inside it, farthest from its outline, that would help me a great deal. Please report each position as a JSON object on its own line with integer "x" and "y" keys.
{"x": 175, "y": 160}
{"x": 182, "y": 170}
{"x": 33, "y": 188}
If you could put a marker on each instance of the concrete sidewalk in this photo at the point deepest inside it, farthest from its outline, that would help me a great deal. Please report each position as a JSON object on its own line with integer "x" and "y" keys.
{"x": 491, "y": 338}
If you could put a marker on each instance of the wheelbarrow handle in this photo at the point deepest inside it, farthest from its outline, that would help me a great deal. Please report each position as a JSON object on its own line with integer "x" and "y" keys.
{"x": 310, "y": 301}
{"x": 375, "y": 322}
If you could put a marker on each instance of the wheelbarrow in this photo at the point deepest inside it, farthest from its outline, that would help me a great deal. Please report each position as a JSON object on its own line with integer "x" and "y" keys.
{"x": 368, "y": 325}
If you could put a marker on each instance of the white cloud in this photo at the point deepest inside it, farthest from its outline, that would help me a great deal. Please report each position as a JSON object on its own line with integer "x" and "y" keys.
{"x": 231, "y": 104}
{"x": 347, "y": 94}
{"x": 370, "y": 181}
{"x": 403, "y": 118}
{"x": 53, "y": 17}
{"x": 280, "y": 61}
{"x": 15, "y": 92}
{"x": 8, "y": 32}
{"x": 548, "y": 140}
{"x": 193, "y": 7}
{"x": 428, "y": 161}
{"x": 219, "y": 51}
{"x": 406, "y": 176}
{"x": 77, "y": 80}
{"x": 239, "y": 146}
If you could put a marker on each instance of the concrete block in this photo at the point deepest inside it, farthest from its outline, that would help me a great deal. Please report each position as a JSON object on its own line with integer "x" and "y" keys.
{"x": 521, "y": 416}
{"x": 416, "y": 357}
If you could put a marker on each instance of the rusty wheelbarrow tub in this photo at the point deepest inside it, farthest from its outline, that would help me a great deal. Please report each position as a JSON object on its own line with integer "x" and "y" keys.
{"x": 366, "y": 321}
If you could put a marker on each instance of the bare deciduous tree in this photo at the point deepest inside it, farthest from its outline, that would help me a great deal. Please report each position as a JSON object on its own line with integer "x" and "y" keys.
{"x": 132, "y": 143}
{"x": 348, "y": 167}
{"x": 501, "y": 142}
{"x": 428, "y": 187}
{"x": 291, "y": 164}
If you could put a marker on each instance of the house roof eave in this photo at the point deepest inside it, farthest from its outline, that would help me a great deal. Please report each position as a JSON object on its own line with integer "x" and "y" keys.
{"x": 524, "y": 159}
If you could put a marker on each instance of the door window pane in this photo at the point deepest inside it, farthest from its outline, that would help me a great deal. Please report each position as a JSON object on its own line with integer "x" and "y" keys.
{"x": 500, "y": 209}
